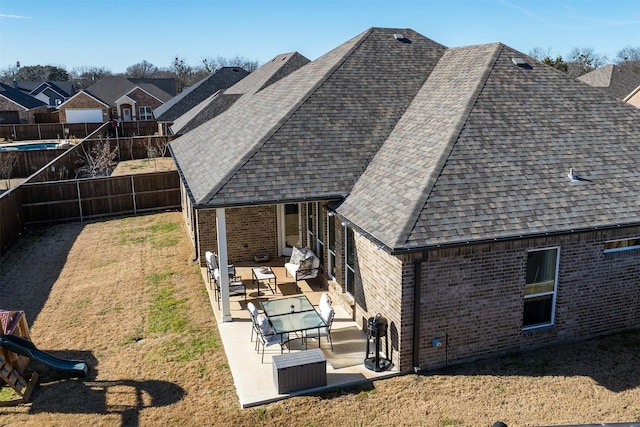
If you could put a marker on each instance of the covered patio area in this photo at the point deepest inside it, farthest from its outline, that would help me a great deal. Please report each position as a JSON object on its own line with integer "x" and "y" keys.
{"x": 254, "y": 380}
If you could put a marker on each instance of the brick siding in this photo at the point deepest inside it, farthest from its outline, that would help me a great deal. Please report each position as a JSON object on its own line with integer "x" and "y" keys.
{"x": 474, "y": 296}
{"x": 249, "y": 230}
{"x": 82, "y": 100}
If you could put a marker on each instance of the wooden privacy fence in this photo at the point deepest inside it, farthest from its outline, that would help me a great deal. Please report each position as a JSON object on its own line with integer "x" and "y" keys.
{"x": 61, "y": 164}
{"x": 86, "y": 199}
{"x": 55, "y": 131}
{"x": 11, "y": 222}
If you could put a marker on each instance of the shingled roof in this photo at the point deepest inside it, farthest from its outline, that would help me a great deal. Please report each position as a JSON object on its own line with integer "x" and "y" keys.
{"x": 279, "y": 67}
{"x": 424, "y": 145}
{"x": 617, "y": 81}
{"x": 20, "y": 98}
{"x": 110, "y": 88}
{"x": 190, "y": 97}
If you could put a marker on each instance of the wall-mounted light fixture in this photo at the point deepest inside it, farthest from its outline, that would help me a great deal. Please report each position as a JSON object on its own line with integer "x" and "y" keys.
{"x": 331, "y": 214}
{"x": 436, "y": 342}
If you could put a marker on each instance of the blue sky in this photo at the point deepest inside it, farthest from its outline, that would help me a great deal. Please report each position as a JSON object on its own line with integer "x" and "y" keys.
{"x": 118, "y": 33}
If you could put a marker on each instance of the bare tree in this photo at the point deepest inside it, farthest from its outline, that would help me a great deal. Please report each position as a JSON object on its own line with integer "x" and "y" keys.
{"x": 583, "y": 60}
{"x": 212, "y": 65}
{"x": 83, "y": 77}
{"x": 8, "y": 163}
{"x": 97, "y": 160}
{"x": 629, "y": 58}
{"x": 152, "y": 151}
{"x": 141, "y": 70}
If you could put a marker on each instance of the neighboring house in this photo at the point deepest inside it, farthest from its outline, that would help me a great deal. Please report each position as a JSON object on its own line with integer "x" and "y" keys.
{"x": 613, "y": 79}
{"x": 218, "y": 101}
{"x": 116, "y": 97}
{"x": 18, "y": 107}
{"x": 52, "y": 93}
{"x": 434, "y": 183}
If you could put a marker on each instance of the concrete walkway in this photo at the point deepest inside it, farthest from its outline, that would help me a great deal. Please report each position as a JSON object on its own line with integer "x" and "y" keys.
{"x": 254, "y": 379}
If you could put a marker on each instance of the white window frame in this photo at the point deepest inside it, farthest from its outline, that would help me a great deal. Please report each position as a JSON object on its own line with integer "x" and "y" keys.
{"x": 331, "y": 258}
{"x": 319, "y": 241}
{"x": 553, "y": 293}
{"x": 311, "y": 224}
{"x": 349, "y": 288}
{"x": 146, "y": 113}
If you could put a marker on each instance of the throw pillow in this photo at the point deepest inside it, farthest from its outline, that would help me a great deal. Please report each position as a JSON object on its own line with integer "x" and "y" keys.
{"x": 306, "y": 264}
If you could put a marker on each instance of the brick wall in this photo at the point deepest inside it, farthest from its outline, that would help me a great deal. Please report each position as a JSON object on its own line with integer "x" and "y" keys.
{"x": 26, "y": 116}
{"x": 379, "y": 289}
{"x": 82, "y": 100}
{"x": 249, "y": 230}
{"x": 474, "y": 296}
{"x": 143, "y": 99}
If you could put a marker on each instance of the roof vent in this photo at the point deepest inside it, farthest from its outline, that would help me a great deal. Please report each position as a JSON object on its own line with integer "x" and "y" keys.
{"x": 518, "y": 61}
{"x": 398, "y": 36}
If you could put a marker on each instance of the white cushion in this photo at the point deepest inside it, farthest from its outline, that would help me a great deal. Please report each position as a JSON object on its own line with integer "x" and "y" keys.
{"x": 324, "y": 299}
{"x": 326, "y": 312}
{"x": 263, "y": 323}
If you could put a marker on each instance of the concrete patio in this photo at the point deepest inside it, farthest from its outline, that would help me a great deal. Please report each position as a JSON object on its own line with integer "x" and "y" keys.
{"x": 254, "y": 379}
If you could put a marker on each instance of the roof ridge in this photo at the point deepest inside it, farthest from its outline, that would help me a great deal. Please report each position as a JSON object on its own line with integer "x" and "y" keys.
{"x": 419, "y": 203}
{"x": 287, "y": 115}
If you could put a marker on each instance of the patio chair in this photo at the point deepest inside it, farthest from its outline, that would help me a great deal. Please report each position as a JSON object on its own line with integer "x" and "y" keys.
{"x": 267, "y": 337}
{"x": 236, "y": 286}
{"x": 253, "y": 312}
{"x": 327, "y": 313}
{"x": 303, "y": 264}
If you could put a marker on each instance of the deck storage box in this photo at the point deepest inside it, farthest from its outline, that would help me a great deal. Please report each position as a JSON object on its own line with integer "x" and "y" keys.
{"x": 299, "y": 371}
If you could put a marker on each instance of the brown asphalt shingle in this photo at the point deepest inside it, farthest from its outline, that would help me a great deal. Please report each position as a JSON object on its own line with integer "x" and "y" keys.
{"x": 426, "y": 145}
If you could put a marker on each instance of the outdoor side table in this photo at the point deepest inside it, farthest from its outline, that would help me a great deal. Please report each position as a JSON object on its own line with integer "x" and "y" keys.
{"x": 266, "y": 276}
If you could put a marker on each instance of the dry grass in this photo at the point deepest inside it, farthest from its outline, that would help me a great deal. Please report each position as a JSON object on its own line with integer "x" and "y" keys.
{"x": 124, "y": 295}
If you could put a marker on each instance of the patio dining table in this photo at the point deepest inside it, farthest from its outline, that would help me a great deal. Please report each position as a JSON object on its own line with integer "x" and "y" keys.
{"x": 292, "y": 315}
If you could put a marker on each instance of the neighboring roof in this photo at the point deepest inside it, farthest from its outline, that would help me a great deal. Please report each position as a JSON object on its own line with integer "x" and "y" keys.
{"x": 110, "y": 88}
{"x": 425, "y": 145}
{"x": 190, "y": 97}
{"x": 18, "y": 97}
{"x": 274, "y": 70}
{"x": 165, "y": 84}
{"x": 64, "y": 88}
{"x": 617, "y": 81}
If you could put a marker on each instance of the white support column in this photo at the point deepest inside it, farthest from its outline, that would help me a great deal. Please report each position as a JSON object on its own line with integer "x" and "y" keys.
{"x": 221, "y": 225}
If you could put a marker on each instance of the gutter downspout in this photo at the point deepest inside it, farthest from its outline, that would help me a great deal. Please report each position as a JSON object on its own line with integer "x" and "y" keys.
{"x": 417, "y": 290}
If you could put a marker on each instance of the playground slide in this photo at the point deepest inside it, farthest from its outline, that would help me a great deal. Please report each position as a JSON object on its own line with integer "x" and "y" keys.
{"x": 27, "y": 348}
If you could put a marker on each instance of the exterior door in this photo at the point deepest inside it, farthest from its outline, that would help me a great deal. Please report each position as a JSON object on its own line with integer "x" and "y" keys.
{"x": 288, "y": 227}
{"x": 126, "y": 114}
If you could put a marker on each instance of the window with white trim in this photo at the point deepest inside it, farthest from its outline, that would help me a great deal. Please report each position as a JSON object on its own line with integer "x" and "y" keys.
{"x": 319, "y": 234}
{"x": 541, "y": 287}
{"x": 146, "y": 113}
{"x": 621, "y": 245}
{"x": 331, "y": 242}
{"x": 350, "y": 260}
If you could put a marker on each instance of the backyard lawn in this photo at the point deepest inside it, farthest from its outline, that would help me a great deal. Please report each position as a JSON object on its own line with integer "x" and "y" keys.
{"x": 125, "y": 295}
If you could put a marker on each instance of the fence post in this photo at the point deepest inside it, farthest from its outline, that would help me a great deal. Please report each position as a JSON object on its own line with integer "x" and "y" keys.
{"x": 133, "y": 196}
{"x": 39, "y": 132}
{"x": 79, "y": 199}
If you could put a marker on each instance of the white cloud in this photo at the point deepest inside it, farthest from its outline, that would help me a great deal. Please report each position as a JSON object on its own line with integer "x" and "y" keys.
{"x": 4, "y": 15}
